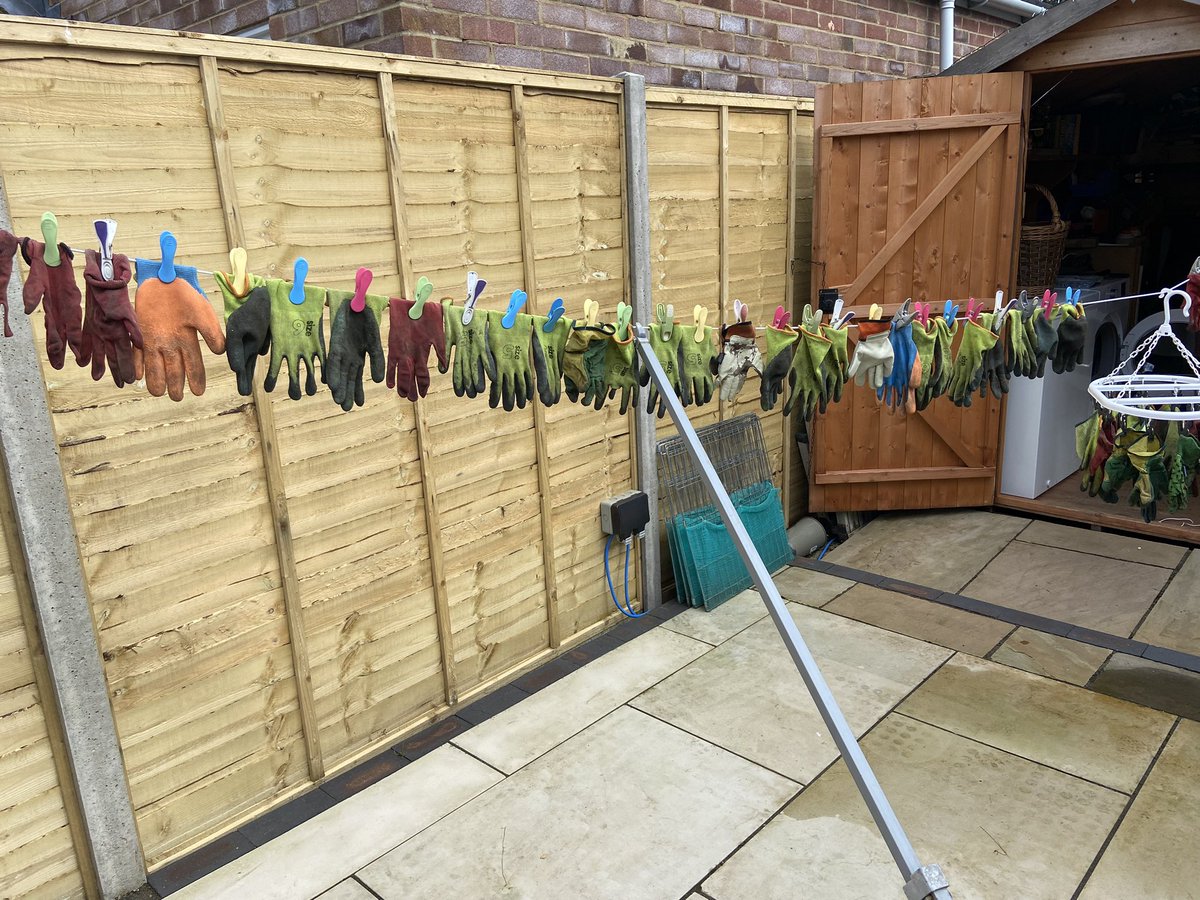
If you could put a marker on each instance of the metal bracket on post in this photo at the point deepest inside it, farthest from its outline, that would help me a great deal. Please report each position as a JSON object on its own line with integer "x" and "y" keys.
{"x": 916, "y": 876}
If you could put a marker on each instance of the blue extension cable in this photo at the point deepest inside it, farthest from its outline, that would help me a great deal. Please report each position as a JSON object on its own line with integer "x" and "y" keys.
{"x": 627, "y": 609}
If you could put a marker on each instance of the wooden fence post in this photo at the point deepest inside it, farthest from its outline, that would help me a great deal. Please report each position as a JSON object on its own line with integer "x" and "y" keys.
{"x": 61, "y": 605}
{"x": 280, "y": 518}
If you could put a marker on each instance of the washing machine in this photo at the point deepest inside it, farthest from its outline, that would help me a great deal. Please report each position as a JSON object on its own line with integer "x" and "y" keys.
{"x": 1039, "y": 427}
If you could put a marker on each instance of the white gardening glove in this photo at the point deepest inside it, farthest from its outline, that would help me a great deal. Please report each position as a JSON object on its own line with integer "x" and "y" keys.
{"x": 740, "y": 356}
{"x": 873, "y": 356}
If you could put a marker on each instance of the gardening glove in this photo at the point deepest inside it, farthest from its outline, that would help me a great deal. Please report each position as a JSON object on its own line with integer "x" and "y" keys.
{"x": 353, "y": 338}
{"x": 925, "y": 338}
{"x": 895, "y": 392}
{"x": 512, "y": 383}
{"x": 409, "y": 343}
{"x": 1072, "y": 335}
{"x": 738, "y": 356}
{"x": 943, "y": 357}
{"x": 806, "y": 376}
{"x": 977, "y": 340}
{"x": 781, "y": 345}
{"x": 144, "y": 269}
{"x": 54, "y": 288}
{"x": 170, "y": 315}
{"x": 696, "y": 360}
{"x": 1044, "y": 336}
{"x": 231, "y": 297}
{"x": 1151, "y": 482}
{"x": 836, "y": 364}
{"x": 548, "y": 350}
{"x": 1106, "y": 436}
{"x": 248, "y": 336}
{"x": 666, "y": 351}
{"x": 110, "y": 329}
{"x": 473, "y": 363}
{"x": 8, "y": 249}
{"x": 994, "y": 374}
{"x": 297, "y": 335}
{"x": 583, "y": 363}
{"x": 874, "y": 359}
{"x": 1183, "y": 472}
{"x": 621, "y": 370}
{"x": 1020, "y": 357}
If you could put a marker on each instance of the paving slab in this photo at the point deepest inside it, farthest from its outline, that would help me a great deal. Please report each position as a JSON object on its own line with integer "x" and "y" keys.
{"x": 921, "y": 619}
{"x": 734, "y": 615}
{"x": 524, "y": 732}
{"x": 1151, "y": 684}
{"x": 347, "y": 890}
{"x": 747, "y": 696}
{"x": 944, "y": 550}
{"x": 1067, "y": 728}
{"x": 629, "y": 808}
{"x": 1174, "y": 622}
{"x": 1000, "y": 826}
{"x": 1103, "y": 543}
{"x": 1105, "y": 594}
{"x": 328, "y": 848}
{"x": 1156, "y": 850}
{"x": 808, "y": 587}
{"x": 1050, "y": 655}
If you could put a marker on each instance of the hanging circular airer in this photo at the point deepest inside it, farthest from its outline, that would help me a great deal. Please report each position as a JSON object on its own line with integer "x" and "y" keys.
{"x": 1163, "y": 398}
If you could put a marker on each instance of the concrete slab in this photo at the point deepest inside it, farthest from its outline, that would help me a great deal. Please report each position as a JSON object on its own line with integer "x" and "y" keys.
{"x": 1047, "y": 654}
{"x": 629, "y": 808}
{"x": 734, "y": 615}
{"x": 1000, "y": 826}
{"x": 1174, "y": 622}
{"x": 1102, "y": 543}
{"x": 524, "y": 732}
{"x": 1067, "y": 728}
{"x": 330, "y": 847}
{"x": 1156, "y": 851}
{"x": 347, "y": 890}
{"x": 1105, "y": 594}
{"x": 1151, "y": 684}
{"x": 943, "y": 549}
{"x": 809, "y": 588}
{"x": 747, "y": 696}
{"x": 921, "y": 619}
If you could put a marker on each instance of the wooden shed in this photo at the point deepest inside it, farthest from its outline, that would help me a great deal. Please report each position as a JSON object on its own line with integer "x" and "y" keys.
{"x": 921, "y": 188}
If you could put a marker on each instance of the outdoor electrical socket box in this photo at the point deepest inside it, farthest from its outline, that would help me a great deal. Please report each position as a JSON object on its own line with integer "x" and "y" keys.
{"x": 625, "y": 514}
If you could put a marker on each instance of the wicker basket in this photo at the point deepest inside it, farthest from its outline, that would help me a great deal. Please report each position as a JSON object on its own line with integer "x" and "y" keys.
{"x": 1041, "y": 249}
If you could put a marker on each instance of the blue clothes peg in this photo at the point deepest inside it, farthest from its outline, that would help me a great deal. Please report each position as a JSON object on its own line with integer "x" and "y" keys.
{"x": 167, "y": 245}
{"x": 950, "y": 312}
{"x": 515, "y": 302}
{"x": 299, "y": 273}
{"x": 557, "y": 308}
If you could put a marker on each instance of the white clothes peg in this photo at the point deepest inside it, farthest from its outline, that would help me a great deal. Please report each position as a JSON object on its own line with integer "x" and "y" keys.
{"x": 106, "y": 231}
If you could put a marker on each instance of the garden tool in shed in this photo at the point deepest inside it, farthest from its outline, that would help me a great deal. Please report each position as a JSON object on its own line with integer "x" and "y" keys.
{"x": 874, "y": 359}
{"x": 550, "y": 335}
{"x": 297, "y": 331}
{"x": 781, "y": 345}
{"x": 977, "y": 340}
{"x": 110, "y": 328}
{"x": 51, "y": 284}
{"x": 414, "y": 328}
{"x": 509, "y": 337}
{"x": 171, "y": 315}
{"x": 353, "y": 339}
{"x": 664, "y": 339}
{"x": 696, "y": 356}
{"x": 8, "y": 249}
{"x": 472, "y": 360}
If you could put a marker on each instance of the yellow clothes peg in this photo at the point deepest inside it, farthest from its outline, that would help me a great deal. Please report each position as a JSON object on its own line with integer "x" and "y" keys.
{"x": 700, "y": 314}
{"x": 240, "y": 280}
{"x": 876, "y": 312}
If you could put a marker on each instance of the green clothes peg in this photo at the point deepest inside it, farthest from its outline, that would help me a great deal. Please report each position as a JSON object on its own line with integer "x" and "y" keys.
{"x": 50, "y": 233}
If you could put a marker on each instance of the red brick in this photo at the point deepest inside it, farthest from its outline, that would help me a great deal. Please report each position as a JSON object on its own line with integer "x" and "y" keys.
{"x": 749, "y": 84}
{"x": 463, "y": 51}
{"x": 566, "y": 62}
{"x": 684, "y": 34}
{"x": 717, "y": 40}
{"x": 770, "y": 67}
{"x": 393, "y": 43}
{"x": 648, "y": 30}
{"x": 476, "y": 7}
{"x": 361, "y": 30}
{"x": 475, "y": 28}
{"x": 625, "y": 7}
{"x": 518, "y": 56}
{"x": 428, "y": 21}
{"x": 666, "y": 54}
{"x": 720, "y": 81}
{"x": 605, "y": 23}
{"x": 725, "y": 5}
{"x": 330, "y": 11}
{"x": 521, "y": 10}
{"x": 778, "y": 12}
{"x": 749, "y": 8}
{"x": 562, "y": 14}
{"x": 777, "y": 50}
{"x": 803, "y": 53}
{"x": 733, "y": 24}
{"x": 764, "y": 29}
{"x": 661, "y": 10}
{"x": 586, "y": 42}
{"x": 699, "y": 16}
{"x": 748, "y": 46}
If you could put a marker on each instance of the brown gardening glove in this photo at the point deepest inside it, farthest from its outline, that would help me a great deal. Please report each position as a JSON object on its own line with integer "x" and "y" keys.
{"x": 170, "y": 316}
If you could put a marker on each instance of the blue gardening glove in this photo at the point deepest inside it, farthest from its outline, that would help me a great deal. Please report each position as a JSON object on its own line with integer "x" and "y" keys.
{"x": 895, "y": 388}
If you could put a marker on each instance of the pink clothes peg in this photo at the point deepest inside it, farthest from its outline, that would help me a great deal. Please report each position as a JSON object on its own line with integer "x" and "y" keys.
{"x": 974, "y": 308}
{"x": 1048, "y": 301}
{"x": 921, "y": 312}
{"x": 782, "y": 317}
{"x": 362, "y": 281}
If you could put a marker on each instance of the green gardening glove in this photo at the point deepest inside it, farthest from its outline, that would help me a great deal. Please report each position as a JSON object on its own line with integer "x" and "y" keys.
{"x": 234, "y": 300}
{"x": 806, "y": 377}
{"x": 666, "y": 351}
{"x": 621, "y": 370}
{"x": 977, "y": 340}
{"x": 1183, "y": 472}
{"x": 512, "y": 379}
{"x": 697, "y": 359}
{"x": 297, "y": 335}
{"x": 583, "y": 363}
{"x": 926, "y": 339}
{"x": 548, "y": 349}
{"x": 781, "y": 344}
{"x": 1151, "y": 482}
{"x": 1043, "y": 337}
{"x": 943, "y": 356}
{"x": 1020, "y": 358}
{"x": 836, "y": 364}
{"x": 473, "y": 361}
{"x": 1118, "y": 469}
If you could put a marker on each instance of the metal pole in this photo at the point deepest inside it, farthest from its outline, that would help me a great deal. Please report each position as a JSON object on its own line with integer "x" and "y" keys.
{"x": 920, "y": 881}
{"x": 637, "y": 198}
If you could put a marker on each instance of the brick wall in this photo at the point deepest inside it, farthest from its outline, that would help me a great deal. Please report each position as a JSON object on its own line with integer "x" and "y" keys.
{"x": 767, "y": 46}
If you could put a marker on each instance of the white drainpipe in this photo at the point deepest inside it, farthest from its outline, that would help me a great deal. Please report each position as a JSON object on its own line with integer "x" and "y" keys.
{"x": 947, "y": 34}
{"x": 1011, "y": 7}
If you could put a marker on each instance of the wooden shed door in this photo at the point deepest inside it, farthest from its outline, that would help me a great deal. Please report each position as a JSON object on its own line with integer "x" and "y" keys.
{"x": 917, "y": 183}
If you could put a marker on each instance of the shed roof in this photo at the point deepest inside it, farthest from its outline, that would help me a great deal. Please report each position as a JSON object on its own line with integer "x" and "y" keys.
{"x": 1037, "y": 30}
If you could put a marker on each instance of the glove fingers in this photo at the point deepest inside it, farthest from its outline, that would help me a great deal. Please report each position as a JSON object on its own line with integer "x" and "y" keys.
{"x": 155, "y": 374}
{"x": 359, "y": 397}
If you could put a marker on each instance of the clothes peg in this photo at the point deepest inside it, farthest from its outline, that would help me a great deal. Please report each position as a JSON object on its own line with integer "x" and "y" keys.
{"x": 974, "y": 308}
{"x": 106, "y": 231}
{"x": 50, "y": 233}
{"x": 921, "y": 313}
{"x": 475, "y": 286}
{"x": 999, "y": 300}
{"x": 781, "y": 317}
{"x": 515, "y": 302}
{"x": 624, "y": 314}
{"x": 950, "y": 312}
{"x": 424, "y": 290}
{"x": 837, "y": 311}
{"x": 167, "y": 246}
{"x": 1048, "y": 301}
{"x": 557, "y": 308}
{"x": 240, "y": 278}
{"x": 591, "y": 313}
{"x": 362, "y": 281}
{"x": 1195, "y": 270}
{"x": 299, "y": 273}
{"x": 700, "y": 314}
{"x": 844, "y": 321}
{"x": 741, "y": 312}
{"x": 665, "y": 313}
{"x": 876, "y": 312}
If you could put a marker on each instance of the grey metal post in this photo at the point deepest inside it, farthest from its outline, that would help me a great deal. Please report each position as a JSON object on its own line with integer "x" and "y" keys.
{"x": 920, "y": 881}
{"x": 637, "y": 199}
{"x": 29, "y": 453}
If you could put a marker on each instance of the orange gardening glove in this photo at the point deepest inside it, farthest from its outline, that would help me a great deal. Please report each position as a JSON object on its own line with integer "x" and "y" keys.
{"x": 170, "y": 315}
